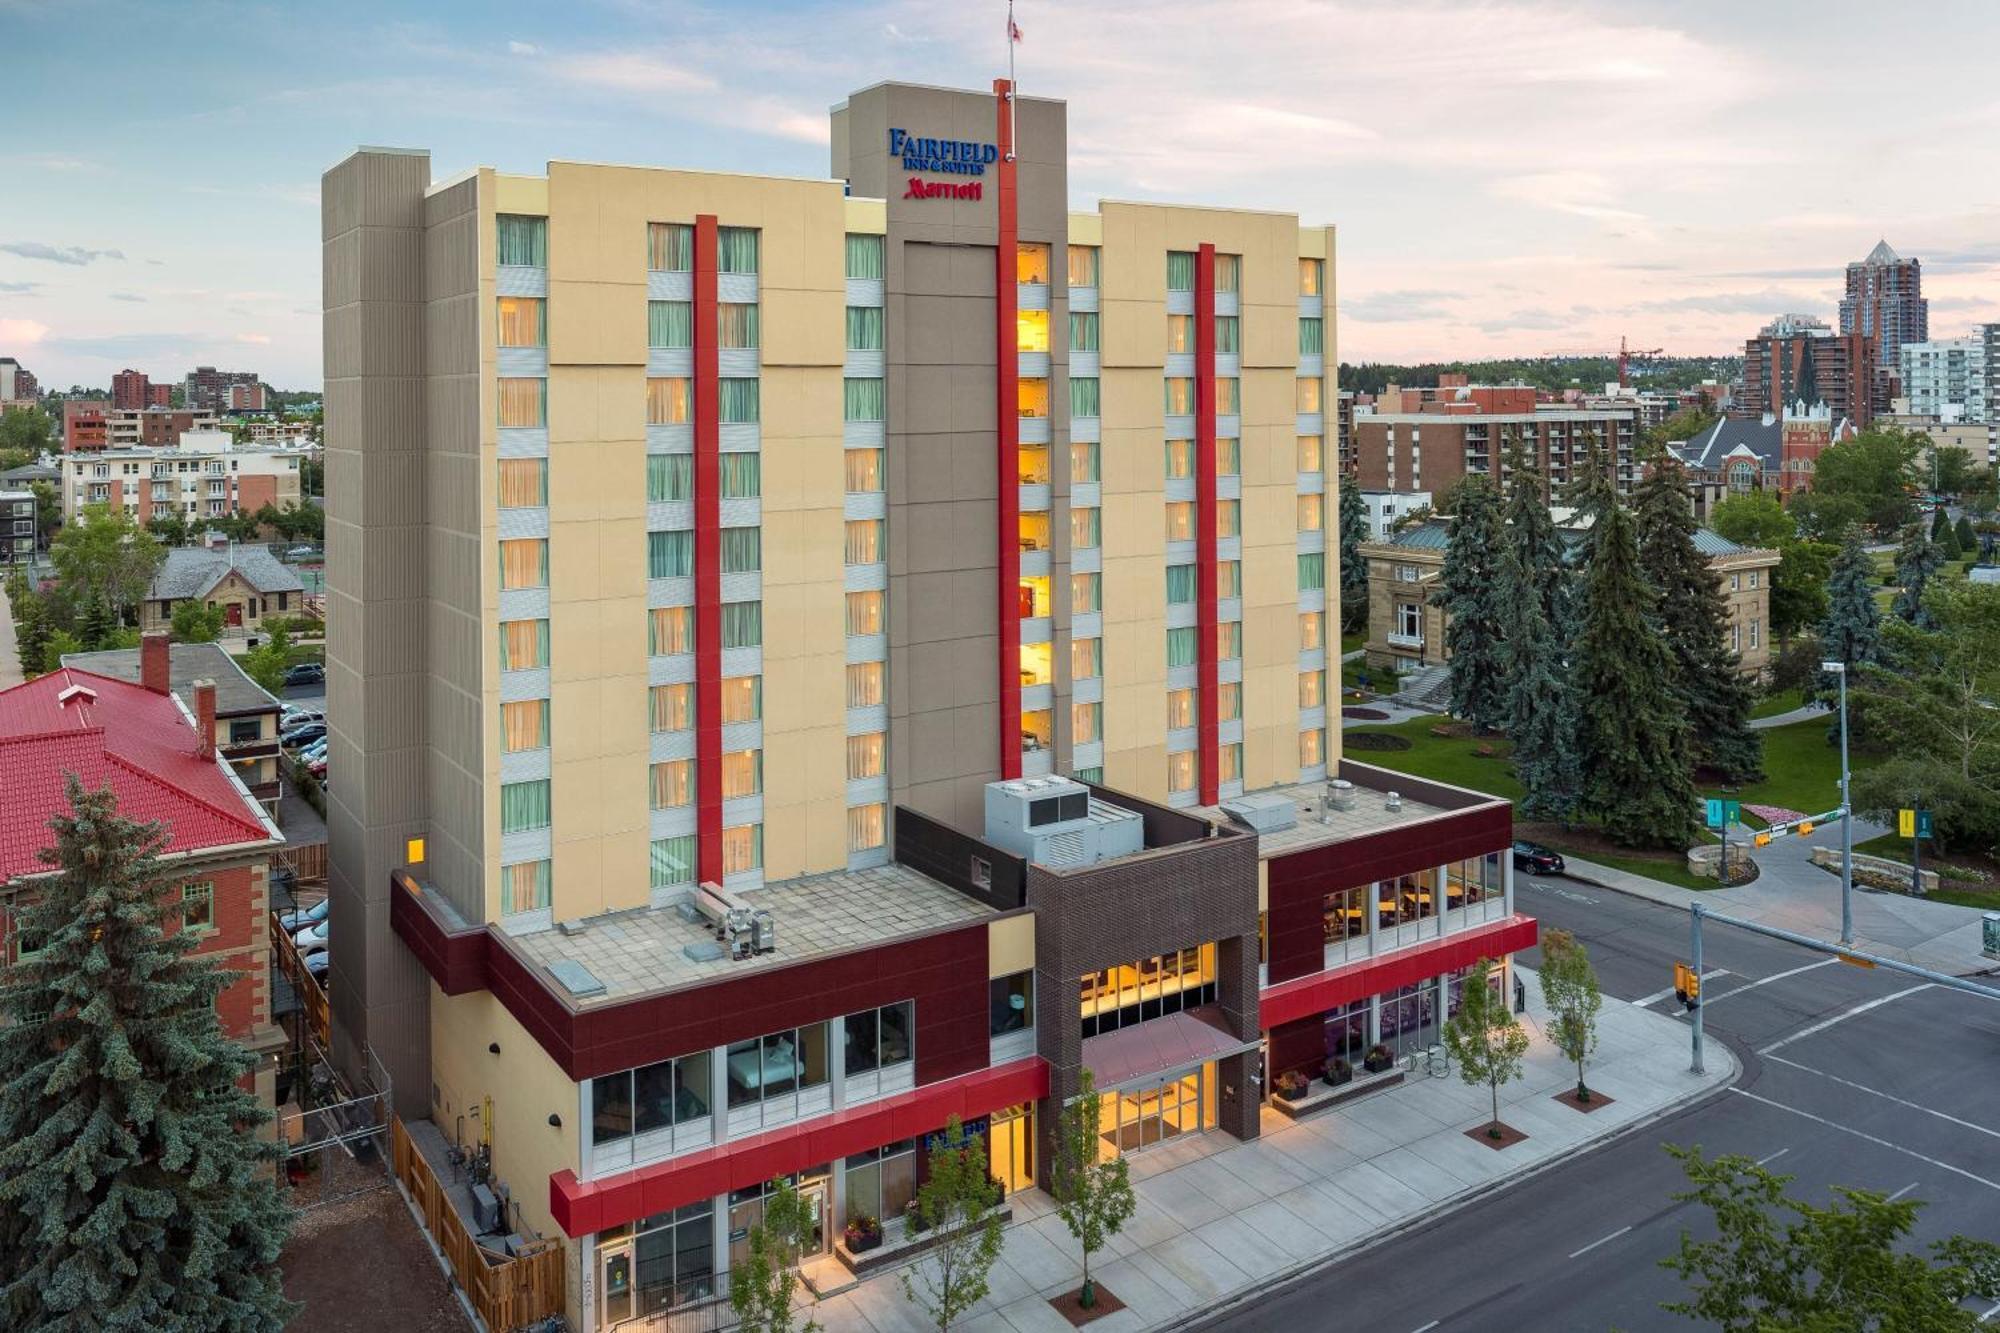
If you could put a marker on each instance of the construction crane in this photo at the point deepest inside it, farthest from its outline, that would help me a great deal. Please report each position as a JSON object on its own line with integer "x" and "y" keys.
{"x": 1626, "y": 354}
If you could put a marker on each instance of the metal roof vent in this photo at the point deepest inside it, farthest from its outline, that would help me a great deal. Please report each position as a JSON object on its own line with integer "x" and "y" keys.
{"x": 1394, "y": 801}
{"x": 1340, "y": 794}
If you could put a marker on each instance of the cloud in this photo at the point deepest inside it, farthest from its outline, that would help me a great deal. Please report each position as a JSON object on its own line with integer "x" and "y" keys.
{"x": 1531, "y": 320}
{"x": 254, "y": 339}
{"x": 19, "y": 288}
{"x": 58, "y": 254}
{"x": 632, "y": 72}
{"x": 19, "y": 332}
{"x": 523, "y": 49}
{"x": 1765, "y": 302}
{"x": 1583, "y": 194}
{"x": 1396, "y": 307}
{"x": 127, "y": 296}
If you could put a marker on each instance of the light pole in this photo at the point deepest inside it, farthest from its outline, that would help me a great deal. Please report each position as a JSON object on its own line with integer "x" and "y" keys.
{"x": 1846, "y": 815}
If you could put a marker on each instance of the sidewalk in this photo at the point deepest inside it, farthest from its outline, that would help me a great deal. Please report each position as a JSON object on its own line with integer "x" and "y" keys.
{"x": 10, "y": 656}
{"x": 1219, "y": 1220}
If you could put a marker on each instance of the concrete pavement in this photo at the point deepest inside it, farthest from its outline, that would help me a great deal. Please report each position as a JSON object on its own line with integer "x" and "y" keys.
{"x": 10, "y": 656}
{"x": 1802, "y": 714}
{"x": 1220, "y": 1221}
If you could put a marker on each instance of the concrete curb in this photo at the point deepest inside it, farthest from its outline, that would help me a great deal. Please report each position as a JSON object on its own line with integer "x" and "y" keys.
{"x": 1284, "y": 1277}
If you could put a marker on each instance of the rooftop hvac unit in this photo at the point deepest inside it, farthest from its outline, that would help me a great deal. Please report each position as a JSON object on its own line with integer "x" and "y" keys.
{"x": 742, "y": 929}
{"x": 1265, "y": 812}
{"x": 1056, "y": 822}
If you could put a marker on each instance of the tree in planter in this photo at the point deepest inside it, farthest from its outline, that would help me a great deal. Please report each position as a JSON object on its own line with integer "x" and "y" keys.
{"x": 1484, "y": 1038}
{"x": 957, "y": 1208}
{"x": 135, "y": 1191}
{"x": 762, "y": 1287}
{"x": 1093, "y": 1196}
{"x": 1842, "y": 1267}
{"x": 1469, "y": 595}
{"x": 1569, "y": 988}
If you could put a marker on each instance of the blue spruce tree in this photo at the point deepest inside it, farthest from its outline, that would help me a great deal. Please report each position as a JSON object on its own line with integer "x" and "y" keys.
{"x": 1469, "y": 595}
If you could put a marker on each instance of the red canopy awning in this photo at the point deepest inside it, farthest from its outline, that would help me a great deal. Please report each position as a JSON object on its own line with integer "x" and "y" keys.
{"x": 1172, "y": 1041}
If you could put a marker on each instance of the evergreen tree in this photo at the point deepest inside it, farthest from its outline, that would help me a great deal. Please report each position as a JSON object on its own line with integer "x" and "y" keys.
{"x": 1531, "y": 532}
{"x": 135, "y": 1192}
{"x": 94, "y": 623}
{"x": 1940, "y": 523}
{"x": 1917, "y": 560}
{"x": 1852, "y": 629}
{"x": 1634, "y": 746}
{"x": 1592, "y": 493}
{"x": 31, "y": 632}
{"x": 1694, "y": 617}
{"x": 1469, "y": 594}
{"x": 1353, "y": 569}
{"x": 1538, "y": 707}
{"x": 1968, "y": 540}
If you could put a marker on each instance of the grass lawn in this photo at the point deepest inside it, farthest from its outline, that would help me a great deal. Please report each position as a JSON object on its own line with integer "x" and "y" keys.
{"x": 1784, "y": 701}
{"x": 1353, "y": 642}
{"x": 1801, "y": 771}
{"x": 1966, "y": 892}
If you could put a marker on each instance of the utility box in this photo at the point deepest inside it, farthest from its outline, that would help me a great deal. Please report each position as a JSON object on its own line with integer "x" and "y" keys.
{"x": 1989, "y": 934}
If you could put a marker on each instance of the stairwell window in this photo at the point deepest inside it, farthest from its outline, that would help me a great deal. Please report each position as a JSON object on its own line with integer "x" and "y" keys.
{"x": 524, "y": 483}
{"x": 742, "y": 550}
{"x": 739, "y": 400}
{"x": 742, "y": 699}
{"x": 524, "y": 725}
{"x": 668, "y": 401}
{"x": 526, "y": 886}
{"x": 669, "y": 477}
{"x": 864, "y": 328}
{"x": 524, "y": 644}
{"x": 524, "y": 806}
{"x": 524, "y": 321}
{"x": 742, "y": 625}
{"x": 1180, "y": 270}
{"x": 1083, "y": 265}
{"x": 861, "y": 399}
{"x": 671, "y": 707}
{"x": 671, "y": 784}
{"x": 864, "y": 541}
{"x": 669, "y": 247}
{"x": 670, "y": 630}
{"x": 865, "y": 256}
{"x": 669, "y": 324}
{"x": 736, "y": 324}
{"x": 524, "y": 403}
{"x": 522, "y": 240}
{"x": 524, "y": 563}
{"x": 736, "y": 249}
{"x": 670, "y": 555}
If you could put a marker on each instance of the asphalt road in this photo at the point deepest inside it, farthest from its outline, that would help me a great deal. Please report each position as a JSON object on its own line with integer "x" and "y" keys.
{"x": 1850, "y": 1077}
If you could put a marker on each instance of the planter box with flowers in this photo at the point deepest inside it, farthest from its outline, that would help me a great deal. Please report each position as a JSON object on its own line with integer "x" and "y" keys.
{"x": 1337, "y": 1083}
{"x": 886, "y": 1245}
{"x": 1379, "y": 1059}
{"x": 863, "y": 1233}
{"x": 1292, "y": 1085}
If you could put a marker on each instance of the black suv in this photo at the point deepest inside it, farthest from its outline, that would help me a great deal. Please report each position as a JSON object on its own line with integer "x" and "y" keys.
{"x": 1536, "y": 859}
{"x": 305, "y": 673}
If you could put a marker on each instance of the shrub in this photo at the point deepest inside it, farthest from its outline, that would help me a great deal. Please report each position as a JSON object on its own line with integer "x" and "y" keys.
{"x": 1375, "y": 740}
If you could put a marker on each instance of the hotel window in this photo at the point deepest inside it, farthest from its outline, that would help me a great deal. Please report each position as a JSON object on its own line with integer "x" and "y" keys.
{"x": 1180, "y": 270}
{"x": 669, "y": 247}
{"x": 1084, "y": 397}
{"x": 1086, "y": 659}
{"x": 1228, "y": 518}
{"x": 523, "y": 240}
{"x": 1031, "y": 331}
{"x": 1180, "y": 334}
{"x": 524, "y": 725}
{"x": 1228, "y": 458}
{"x": 867, "y": 827}
{"x": 864, "y": 614}
{"x": 672, "y": 707}
{"x": 1312, "y": 630}
{"x": 742, "y": 550}
{"x": 672, "y": 784}
{"x": 1180, "y": 397}
{"x": 864, "y": 471}
{"x": 739, "y": 400}
{"x": 1228, "y": 701}
{"x": 736, "y": 324}
{"x": 742, "y": 699}
{"x": 669, "y": 477}
{"x": 865, "y": 755}
{"x": 1032, "y": 398}
{"x": 1229, "y": 640}
{"x": 1083, "y": 265}
{"x": 526, "y": 886}
{"x": 1083, "y": 331}
{"x": 1083, "y": 461}
{"x": 524, "y": 403}
{"x": 1312, "y": 338}
{"x": 1032, "y": 263}
{"x": 861, "y": 399}
{"x": 1032, "y": 465}
{"x": 524, "y": 644}
{"x": 864, "y": 685}
{"x": 670, "y": 555}
{"x": 1230, "y": 762}
{"x": 1181, "y": 584}
{"x": 1180, "y": 520}
{"x": 1182, "y": 771}
{"x": 198, "y": 908}
{"x": 742, "y": 476}
{"x": 864, "y": 541}
{"x": 524, "y": 563}
{"x": 1312, "y": 572}
{"x": 1086, "y": 723}
{"x": 1086, "y": 593}
{"x": 736, "y": 249}
{"x": 1312, "y": 513}
{"x": 670, "y": 630}
{"x": 1228, "y": 397}
{"x": 742, "y": 849}
{"x": 1229, "y": 578}
{"x": 1180, "y": 709}
{"x": 1309, "y": 453}
{"x": 742, "y": 774}
{"x": 1312, "y": 274}
{"x": 865, "y": 256}
{"x": 1312, "y": 689}
{"x": 1306, "y": 394}
{"x": 742, "y": 625}
{"x": 669, "y": 324}
{"x": 1228, "y": 272}
{"x": 524, "y": 321}
{"x": 1180, "y": 459}
{"x": 668, "y": 402}
{"x": 1312, "y": 748}
{"x": 1182, "y": 646}
{"x": 1086, "y": 531}
{"x": 524, "y": 483}
{"x": 1227, "y": 333}
{"x": 524, "y": 806}
{"x": 864, "y": 328}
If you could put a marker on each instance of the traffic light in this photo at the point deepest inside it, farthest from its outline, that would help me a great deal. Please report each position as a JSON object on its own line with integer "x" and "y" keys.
{"x": 1687, "y": 985}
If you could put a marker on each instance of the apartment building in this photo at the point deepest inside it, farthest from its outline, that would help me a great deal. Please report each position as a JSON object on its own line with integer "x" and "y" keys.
{"x": 17, "y": 382}
{"x": 931, "y": 575}
{"x": 1430, "y": 450}
{"x": 132, "y": 390}
{"x": 154, "y": 427}
{"x": 85, "y": 425}
{"x": 1944, "y": 380}
{"x": 207, "y": 475}
{"x": 207, "y": 387}
{"x": 1796, "y": 358}
{"x": 1884, "y": 303}
{"x": 17, "y": 524}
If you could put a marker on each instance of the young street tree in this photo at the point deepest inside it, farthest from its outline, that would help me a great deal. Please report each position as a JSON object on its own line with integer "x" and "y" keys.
{"x": 956, "y": 1205}
{"x": 1569, "y": 988}
{"x": 1469, "y": 593}
{"x": 1694, "y": 619}
{"x": 1093, "y": 1195}
{"x": 1353, "y": 569}
{"x": 1847, "y": 1266}
{"x": 135, "y": 1192}
{"x": 1917, "y": 560}
{"x": 1634, "y": 754}
{"x": 1484, "y": 1039}
{"x": 762, "y": 1287}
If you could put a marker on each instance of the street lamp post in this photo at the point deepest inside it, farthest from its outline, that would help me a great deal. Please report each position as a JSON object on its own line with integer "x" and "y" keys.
{"x": 1846, "y": 815}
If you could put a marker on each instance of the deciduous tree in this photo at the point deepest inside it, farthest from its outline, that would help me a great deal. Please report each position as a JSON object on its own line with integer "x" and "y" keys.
{"x": 763, "y": 1285}
{"x": 957, "y": 1208}
{"x": 1469, "y": 594}
{"x": 106, "y": 552}
{"x": 195, "y": 623}
{"x": 1484, "y": 1039}
{"x": 1093, "y": 1193}
{"x": 1754, "y": 518}
{"x": 1569, "y": 989}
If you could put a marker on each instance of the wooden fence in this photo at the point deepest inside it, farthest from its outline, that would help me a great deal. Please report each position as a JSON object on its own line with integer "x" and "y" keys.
{"x": 307, "y": 860}
{"x": 312, "y": 996}
{"x": 505, "y": 1293}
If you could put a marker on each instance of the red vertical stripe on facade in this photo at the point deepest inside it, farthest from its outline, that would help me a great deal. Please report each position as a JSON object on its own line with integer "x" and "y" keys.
{"x": 1205, "y": 539}
{"x": 707, "y": 555}
{"x": 1007, "y": 433}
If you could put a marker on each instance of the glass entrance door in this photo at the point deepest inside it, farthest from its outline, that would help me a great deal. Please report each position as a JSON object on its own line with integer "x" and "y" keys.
{"x": 817, "y": 1198}
{"x": 614, "y": 1282}
{"x": 1145, "y": 1115}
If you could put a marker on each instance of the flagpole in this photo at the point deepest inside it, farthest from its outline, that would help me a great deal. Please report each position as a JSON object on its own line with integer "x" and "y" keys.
{"x": 1013, "y": 92}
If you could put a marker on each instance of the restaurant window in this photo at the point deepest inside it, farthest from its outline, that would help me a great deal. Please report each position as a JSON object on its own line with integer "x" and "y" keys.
{"x": 524, "y": 483}
{"x": 669, "y": 324}
{"x": 864, "y": 685}
{"x": 672, "y": 784}
{"x": 671, "y": 707}
{"x": 669, "y": 247}
{"x": 1083, "y": 265}
{"x": 1031, "y": 263}
{"x": 673, "y": 860}
{"x": 526, "y": 886}
{"x": 881, "y": 1183}
{"x": 742, "y": 699}
{"x": 867, "y": 827}
{"x": 670, "y": 630}
{"x": 524, "y": 321}
{"x": 1149, "y": 988}
{"x": 668, "y": 402}
{"x": 1312, "y": 276}
{"x": 524, "y": 725}
{"x": 669, "y": 477}
{"x": 524, "y": 403}
{"x": 522, "y": 240}
{"x": 865, "y": 256}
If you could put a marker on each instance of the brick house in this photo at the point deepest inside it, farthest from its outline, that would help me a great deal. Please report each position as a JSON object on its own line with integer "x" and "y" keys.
{"x": 246, "y": 582}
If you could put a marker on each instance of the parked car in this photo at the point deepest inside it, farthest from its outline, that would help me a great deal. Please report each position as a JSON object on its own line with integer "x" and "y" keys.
{"x": 298, "y": 717}
{"x": 302, "y": 552}
{"x": 312, "y": 936}
{"x": 317, "y": 962}
{"x": 305, "y": 673}
{"x": 317, "y": 767}
{"x": 1537, "y": 859}
{"x": 314, "y": 749}
{"x": 304, "y": 734}
{"x": 294, "y": 922}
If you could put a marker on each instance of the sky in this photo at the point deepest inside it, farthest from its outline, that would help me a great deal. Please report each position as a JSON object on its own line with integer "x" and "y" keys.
{"x": 1509, "y": 178}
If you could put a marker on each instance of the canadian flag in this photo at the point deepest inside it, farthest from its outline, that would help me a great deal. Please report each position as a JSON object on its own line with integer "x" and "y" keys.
{"x": 1013, "y": 29}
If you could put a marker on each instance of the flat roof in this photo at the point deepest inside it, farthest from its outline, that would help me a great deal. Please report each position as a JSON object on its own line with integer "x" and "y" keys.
{"x": 1319, "y": 824}
{"x": 640, "y": 950}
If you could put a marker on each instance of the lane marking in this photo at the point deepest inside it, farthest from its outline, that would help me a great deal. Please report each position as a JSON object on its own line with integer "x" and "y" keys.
{"x": 1657, "y": 996}
{"x": 1769, "y": 1158}
{"x": 1841, "y": 1017}
{"x": 1887, "y": 1097}
{"x": 1427, "y": 1327}
{"x": 1601, "y": 1241}
{"x": 1879, "y": 1142}
{"x": 1765, "y": 981}
{"x": 1901, "y": 1192}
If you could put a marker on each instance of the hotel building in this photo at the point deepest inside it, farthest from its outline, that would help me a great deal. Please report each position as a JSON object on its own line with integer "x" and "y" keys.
{"x": 932, "y": 573}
